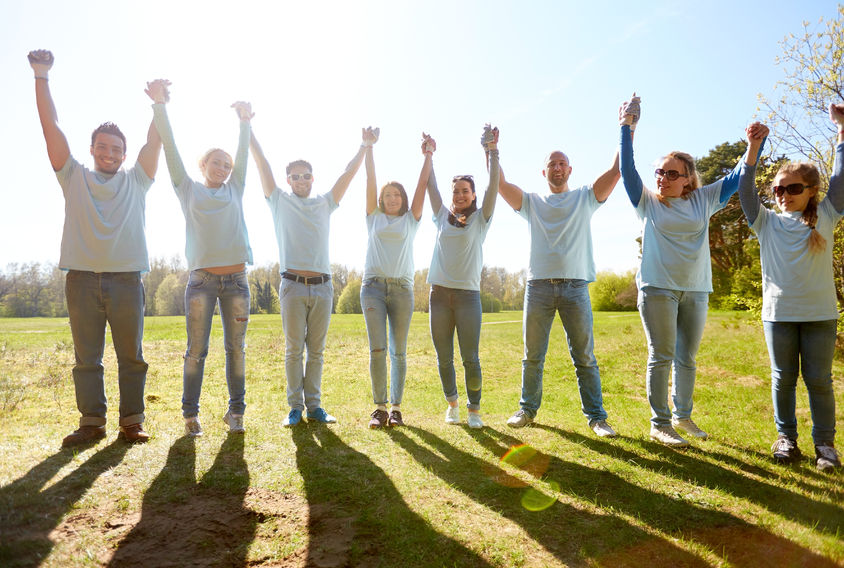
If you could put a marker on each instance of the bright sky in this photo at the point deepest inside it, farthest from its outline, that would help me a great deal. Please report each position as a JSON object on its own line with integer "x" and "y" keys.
{"x": 549, "y": 74}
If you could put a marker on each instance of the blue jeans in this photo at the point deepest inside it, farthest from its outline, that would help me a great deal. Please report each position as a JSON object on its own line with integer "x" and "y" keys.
{"x": 808, "y": 346}
{"x": 94, "y": 299}
{"x": 202, "y": 293}
{"x": 305, "y": 315}
{"x": 570, "y": 298}
{"x": 382, "y": 299}
{"x": 673, "y": 322}
{"x": 451, "y": 308}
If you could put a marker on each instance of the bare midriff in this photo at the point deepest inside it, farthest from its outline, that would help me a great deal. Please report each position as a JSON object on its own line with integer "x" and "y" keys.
{"x": 223, "y": 270}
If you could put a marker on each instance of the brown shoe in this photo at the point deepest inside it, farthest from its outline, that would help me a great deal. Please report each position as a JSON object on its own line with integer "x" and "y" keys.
{"x": 134, "y": 434}
{"x": 379, "y": 418}
{"x": 395, "y": 419}
{"x": 85, "y": 435}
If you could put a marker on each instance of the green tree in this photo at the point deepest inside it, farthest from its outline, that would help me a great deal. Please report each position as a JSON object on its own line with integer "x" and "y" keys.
{"x": 611, "y": 292}
{"x": 349, "y": 302}
{"x": 421, "y": 291}
{"x": 170, "y": 295}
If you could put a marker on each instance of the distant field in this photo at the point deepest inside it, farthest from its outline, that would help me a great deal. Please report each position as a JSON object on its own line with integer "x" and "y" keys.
{"x": 428, "y": 494}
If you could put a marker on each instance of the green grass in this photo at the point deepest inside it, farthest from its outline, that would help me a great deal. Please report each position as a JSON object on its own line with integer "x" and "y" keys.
{"x": 424, "y": 495}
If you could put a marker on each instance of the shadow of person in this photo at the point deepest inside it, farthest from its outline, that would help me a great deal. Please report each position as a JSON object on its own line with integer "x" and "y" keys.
{"x": 571, "y": 533}
{"x": 728, "y": 536}
{"x": 28, "y": 514}
{"x": 356, "y": 516}
{"x": 183, "y": 522}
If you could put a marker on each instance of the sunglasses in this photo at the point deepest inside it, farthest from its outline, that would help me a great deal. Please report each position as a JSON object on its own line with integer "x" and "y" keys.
{"x": 791, "y": 189}
{"x": 297, "y": 177}
{"x": 465, "y": 177}
{"x": 670, "y": 175}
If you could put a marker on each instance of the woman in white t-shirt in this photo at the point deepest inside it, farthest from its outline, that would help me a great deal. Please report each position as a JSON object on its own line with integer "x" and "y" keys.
{"x": 799, "y": 303}
{"x": 387, "y": 290}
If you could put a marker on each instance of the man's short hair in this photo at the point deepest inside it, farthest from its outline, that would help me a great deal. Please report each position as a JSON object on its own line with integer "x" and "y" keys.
{"x": 295, "y": 163}
{"x": 108, "y": 128}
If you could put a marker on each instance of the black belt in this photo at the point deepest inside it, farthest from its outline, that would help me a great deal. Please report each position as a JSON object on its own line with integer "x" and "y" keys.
{"x": 322, "y": 278}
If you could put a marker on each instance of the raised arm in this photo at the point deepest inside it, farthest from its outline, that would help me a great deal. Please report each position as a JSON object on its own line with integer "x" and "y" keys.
{"x": 371, "y": 184}
{"x": 428, "y": 149}
{"x": 835, "y": 193}
{"x": 433, "y": 191}
{"x": 606, "y": 182}
{"x": 265, "y": 172}
{"x": 628, "y": 117}
{"x": 158, "y": 92}
{"x": 489, "y": 140}
{"x": 41, "y": 60}
{"x": 148, "y": 156}
{"x": 369, "y": 137}
{"x": 748, "y": 196}
{"x": 245, "y": 114}
{"x": 511, "y": 193}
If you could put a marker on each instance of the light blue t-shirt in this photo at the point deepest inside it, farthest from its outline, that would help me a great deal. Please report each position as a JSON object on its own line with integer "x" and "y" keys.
{"x": 389, "y": 252}
{"x": 675, "y": 240}
{"x": 458, "y": 253}
{"x": 215, "y": 230}
{"x": 104, "y": 219}
{"x": 797, "y": 285}
{"x": 561, "y": 234}
{"x": 301, "y": 229}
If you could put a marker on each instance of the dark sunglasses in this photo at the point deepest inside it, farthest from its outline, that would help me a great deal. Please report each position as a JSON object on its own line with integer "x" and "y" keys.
{"x": 296, "y": 177}
{"x": 465, "y": 177}
{"x": 670, "y": 175}
{"x": 791, "y": 189}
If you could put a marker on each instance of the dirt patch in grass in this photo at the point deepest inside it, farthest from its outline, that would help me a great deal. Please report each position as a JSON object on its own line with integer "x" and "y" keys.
{"x": 738, "y": 545}
{"x": 212, "y": 528}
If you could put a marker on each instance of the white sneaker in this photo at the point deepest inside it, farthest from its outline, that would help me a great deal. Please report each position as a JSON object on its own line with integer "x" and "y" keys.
{"x": 235, "y": 422}
{"x": 520, "y": 419}
{"x": 668, "y": 435}
{"x": 192, "y": 427}
{"x": 687, "y": 426}
{"x": 475, "y": 421}
{"x": 452, "y": 415}
{"x": 602, "y": 429}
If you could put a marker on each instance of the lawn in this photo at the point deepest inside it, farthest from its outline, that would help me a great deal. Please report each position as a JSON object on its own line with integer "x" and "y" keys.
{"x": 428, "y": 494}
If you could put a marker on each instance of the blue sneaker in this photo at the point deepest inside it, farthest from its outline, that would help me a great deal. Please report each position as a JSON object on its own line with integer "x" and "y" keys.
{"x": 320, "y": 415}
{"x": 293, "y": 418}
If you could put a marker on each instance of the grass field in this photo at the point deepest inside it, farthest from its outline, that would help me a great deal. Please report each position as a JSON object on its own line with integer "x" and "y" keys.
{"x": 427, "y": 494}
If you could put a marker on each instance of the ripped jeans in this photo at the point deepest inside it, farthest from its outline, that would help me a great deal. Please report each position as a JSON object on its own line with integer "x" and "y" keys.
{"x": 203, "y": 292}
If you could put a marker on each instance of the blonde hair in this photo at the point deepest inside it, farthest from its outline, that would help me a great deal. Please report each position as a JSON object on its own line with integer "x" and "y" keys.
{"x": 812, "y": 178}
{"x": 204, "y": 159}
{"x": 693, "y": 182}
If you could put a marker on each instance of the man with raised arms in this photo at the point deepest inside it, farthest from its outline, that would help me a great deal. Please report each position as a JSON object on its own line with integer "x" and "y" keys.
{"x": 104, "y": 253}
{"x": 560, "y": 269}
{"x": 306, "y": 295}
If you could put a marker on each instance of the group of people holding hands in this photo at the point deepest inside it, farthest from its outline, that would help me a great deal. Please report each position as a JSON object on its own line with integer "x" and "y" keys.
{"x": 104, "y": 253}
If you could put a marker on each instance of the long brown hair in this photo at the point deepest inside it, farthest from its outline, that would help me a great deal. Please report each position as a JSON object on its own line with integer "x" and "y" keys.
{"x": 812, "y": 178}
{"x": 693, "y": 180}
{"x": 404, "y": 205}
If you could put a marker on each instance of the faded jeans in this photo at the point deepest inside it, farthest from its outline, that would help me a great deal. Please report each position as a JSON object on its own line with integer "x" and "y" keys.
{"x": 305, "y": 315}
{"x": 808, "y": 346}
{"x": 673, "y": 322}
{"x": 570, "y": 298}
{"x": 202, "y": 294}
{"x": 384, "y": 299}
{"x": 457, "y": 309}
{"x": 94, "y": 299}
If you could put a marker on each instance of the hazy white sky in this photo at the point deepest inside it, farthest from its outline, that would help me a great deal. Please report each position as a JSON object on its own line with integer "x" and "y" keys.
{"x": 549, "y": 74}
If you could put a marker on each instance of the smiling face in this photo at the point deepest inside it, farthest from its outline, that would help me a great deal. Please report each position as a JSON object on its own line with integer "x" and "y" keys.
{"x": 108, "y": 152}
{"x": 793, "y": 203}
{"x": 216, "y": 167}
{"x": 392, "y": 200}
{"x": 462, "y": 195}
{"x": 296, "y": 178}
{"x": 672, "y": 188}
{"x": 557, "y": 171}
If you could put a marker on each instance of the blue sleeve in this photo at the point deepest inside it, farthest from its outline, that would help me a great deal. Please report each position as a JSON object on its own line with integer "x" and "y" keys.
{"x": 730, "y": 184}
{"x": 835, "y": 194}
{"x": 629, "y": 175}
{"x": 239, "y": 172}
{"x": 748, "y": 196}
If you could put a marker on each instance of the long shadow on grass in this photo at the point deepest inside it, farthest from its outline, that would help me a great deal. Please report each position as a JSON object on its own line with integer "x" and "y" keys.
{"x": 357, "y": 516}
{"x": 742, "y": 543}
{"x": 188, "y": 523}
{"x": 687, "y": 466}
{"x": 28, "y": 515}
{"x": 569, "y": 533}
